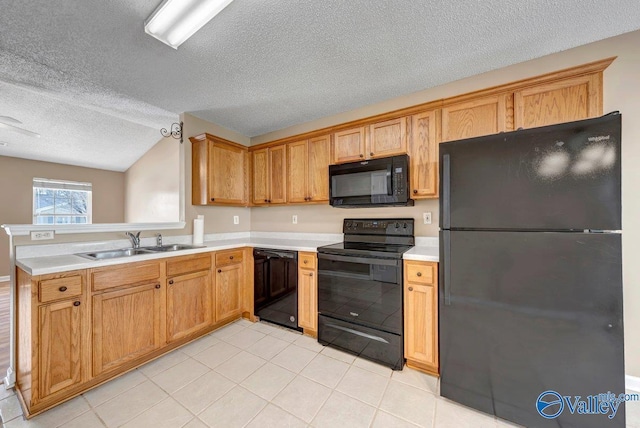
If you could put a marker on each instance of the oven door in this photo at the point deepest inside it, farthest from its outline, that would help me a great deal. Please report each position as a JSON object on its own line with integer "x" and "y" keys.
{"x": 362, "y": 290}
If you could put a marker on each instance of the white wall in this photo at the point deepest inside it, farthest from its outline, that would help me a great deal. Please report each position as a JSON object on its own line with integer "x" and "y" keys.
{"x": 152, "y": 185}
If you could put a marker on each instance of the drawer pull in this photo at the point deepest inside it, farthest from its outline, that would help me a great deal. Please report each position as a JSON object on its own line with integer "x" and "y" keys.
{"x": 157, "y": 285}
{"x": 419, "y": 274}
{"x": 410, "y": 288}
{"x": 62, "y": 289}
{"x": 230, "y": 257}
{"x": 76, "y": 303}
{"x": 170, "y": 282}
{"x": 219, "y": 270}
{"x": 305, "y": 262}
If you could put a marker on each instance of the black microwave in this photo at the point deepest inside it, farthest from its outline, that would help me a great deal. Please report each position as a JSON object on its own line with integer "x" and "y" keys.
{"x": 372, "y": 183}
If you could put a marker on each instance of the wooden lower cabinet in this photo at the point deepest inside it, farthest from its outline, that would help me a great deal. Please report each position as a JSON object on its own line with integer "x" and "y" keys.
{"x": 189, "y": 304}
{"x": 308, "y": 293}
{"x": 126, "y": 325}
{"x": 53, "y": 343}
{"x": 421, "y": 315}
{"x": 229, "y": 280}
{"x": 60, "y": 345}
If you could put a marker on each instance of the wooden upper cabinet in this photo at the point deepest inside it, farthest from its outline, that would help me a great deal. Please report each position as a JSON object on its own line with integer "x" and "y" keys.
{"x": 269, "y": 175}
{"x": 562, "y": 101}
{"x": 308, "y": 175}
{"x": 278, "y": 174}
{"x": 260, "y": 160}
{"x": 387, "y": 138}
{"x": 298, "y": 164}
{"x": 475, "y": 117}
{"x": 219, "y": 171}
{"x": 319, "y": 160}
{"x": 423, "y": 154}
{"x": 349, "y": 145}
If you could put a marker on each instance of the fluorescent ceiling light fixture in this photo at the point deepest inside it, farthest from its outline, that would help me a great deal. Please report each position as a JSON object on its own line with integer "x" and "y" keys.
{"x": 174, "y": 21}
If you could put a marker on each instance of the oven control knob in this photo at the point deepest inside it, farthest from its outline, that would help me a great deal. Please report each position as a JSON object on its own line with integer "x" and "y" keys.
{"x": 397, "y": 225}
{"x": 404, "y": 225}
{"x": 348, "y": 224}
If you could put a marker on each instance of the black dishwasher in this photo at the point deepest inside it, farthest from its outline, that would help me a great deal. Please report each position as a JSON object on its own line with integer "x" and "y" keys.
{"x": 275, "y": 282}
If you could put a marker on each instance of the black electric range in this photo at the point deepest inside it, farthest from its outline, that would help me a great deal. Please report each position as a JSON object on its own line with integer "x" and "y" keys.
{"x": 360, "y": 289}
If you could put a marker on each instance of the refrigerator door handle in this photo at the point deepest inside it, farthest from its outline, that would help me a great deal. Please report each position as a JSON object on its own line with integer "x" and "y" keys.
{"x": 446, "y": 191}
{"x": 446, "y": 235}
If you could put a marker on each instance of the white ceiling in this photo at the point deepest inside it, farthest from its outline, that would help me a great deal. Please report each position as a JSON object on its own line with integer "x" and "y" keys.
{"x": 86, "y": 76}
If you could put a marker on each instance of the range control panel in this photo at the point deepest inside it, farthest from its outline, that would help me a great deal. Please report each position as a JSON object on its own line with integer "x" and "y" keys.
{"x": 379, "y": 226}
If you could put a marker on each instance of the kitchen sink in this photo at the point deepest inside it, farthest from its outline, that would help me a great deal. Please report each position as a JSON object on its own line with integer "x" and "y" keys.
{"x": 174, "y": 247}
{"x": 112, "y": 254}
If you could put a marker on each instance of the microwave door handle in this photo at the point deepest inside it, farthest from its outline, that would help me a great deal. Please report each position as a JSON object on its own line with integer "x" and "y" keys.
{"x": 390, "y": 180}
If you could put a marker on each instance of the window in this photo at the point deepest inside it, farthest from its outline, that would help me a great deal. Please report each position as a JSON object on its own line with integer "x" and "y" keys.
{"x": 61, "y": 202}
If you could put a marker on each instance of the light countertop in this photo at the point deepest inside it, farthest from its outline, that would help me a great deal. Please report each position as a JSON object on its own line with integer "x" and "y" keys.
{"x": 42, "y": 265}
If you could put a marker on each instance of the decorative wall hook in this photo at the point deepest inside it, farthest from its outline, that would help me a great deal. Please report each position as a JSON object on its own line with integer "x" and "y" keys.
{"x": 175, "y": 131}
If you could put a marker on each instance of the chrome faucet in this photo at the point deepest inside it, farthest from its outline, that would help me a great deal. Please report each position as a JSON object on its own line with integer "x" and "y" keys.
{"x": 159, "y": 240}
{"x": 135, "y": 239}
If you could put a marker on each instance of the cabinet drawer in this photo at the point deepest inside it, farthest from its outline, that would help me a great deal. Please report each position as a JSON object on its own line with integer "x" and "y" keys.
{"x": 180, "y": 265}
{"x": 423, "y": 273}
{"x": 307, "y": 260}
{"x": 225, "y": 258}
{"x": 117, "y": 276}
{"x": 60, "y": 288}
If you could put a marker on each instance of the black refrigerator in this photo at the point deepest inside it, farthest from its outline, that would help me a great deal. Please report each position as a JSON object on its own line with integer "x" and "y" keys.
{"x": 530, "y": 293}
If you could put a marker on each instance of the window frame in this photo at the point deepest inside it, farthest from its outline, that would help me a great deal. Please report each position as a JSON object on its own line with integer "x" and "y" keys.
{"x": 55, "y": 184}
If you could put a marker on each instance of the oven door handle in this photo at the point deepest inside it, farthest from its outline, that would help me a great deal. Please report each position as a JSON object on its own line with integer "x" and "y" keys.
{"x": 362, "y": 260}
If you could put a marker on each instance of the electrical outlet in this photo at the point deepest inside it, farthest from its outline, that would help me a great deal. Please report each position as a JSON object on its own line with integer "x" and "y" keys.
{"x": 426, "y": 217}
{"x": 42, "y": 235}
{"x": 294, "y": 219}
{"x": 236, "y": 219}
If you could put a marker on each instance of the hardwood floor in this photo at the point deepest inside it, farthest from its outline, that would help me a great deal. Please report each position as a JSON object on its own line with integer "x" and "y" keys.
{"x": 4, "y": 328}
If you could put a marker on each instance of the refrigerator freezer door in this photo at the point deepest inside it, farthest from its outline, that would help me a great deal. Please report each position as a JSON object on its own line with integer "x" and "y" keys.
{"x": 561, "y": 177}
{"x": 531, "y": 312}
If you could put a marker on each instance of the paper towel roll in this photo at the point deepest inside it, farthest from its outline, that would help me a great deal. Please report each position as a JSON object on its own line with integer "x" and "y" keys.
{"x": 198, "y": 230}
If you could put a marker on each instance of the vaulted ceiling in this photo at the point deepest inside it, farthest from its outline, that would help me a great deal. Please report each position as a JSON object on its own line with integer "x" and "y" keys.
{"x": 85, "y": 76}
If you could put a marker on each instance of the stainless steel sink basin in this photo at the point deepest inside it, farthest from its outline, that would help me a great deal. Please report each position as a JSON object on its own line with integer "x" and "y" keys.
{"x": 174, "y": 247}
{"x": 112, "y": 254}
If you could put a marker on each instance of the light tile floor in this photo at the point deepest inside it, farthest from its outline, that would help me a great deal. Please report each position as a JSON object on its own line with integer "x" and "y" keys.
{"x": 258, "y": 375}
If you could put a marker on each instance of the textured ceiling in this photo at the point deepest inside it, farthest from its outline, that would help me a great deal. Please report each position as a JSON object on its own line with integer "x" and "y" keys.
{"x": 86, "y": 76}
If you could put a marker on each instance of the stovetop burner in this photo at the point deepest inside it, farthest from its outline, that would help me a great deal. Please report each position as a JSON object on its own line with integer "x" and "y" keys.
{"x": 388, "y": 238}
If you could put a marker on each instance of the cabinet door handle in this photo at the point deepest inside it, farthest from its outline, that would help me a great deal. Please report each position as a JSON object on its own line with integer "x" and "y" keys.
{"x": 219, "y": 270}
{"x": 157, "y": 285}
{"x": 310, "y": 273}
{"x": 371, "y": 154}
{"x": 170, "y": 281}
{"x": 266, "y": 200}
{"x": 410, "y": 288}
{"x": 419, "y": 274}
{"x": 76, "y": 303}
{"x": 361, "y": 155}
{"x": 63, "y": 289}
{"x": 213, "y": 199}
{"x": 415, "y": 191}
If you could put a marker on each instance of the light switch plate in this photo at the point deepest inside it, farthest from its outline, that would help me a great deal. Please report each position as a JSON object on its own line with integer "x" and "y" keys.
{"x": 236, "y": 219}
{"x": 42, "y": 235}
